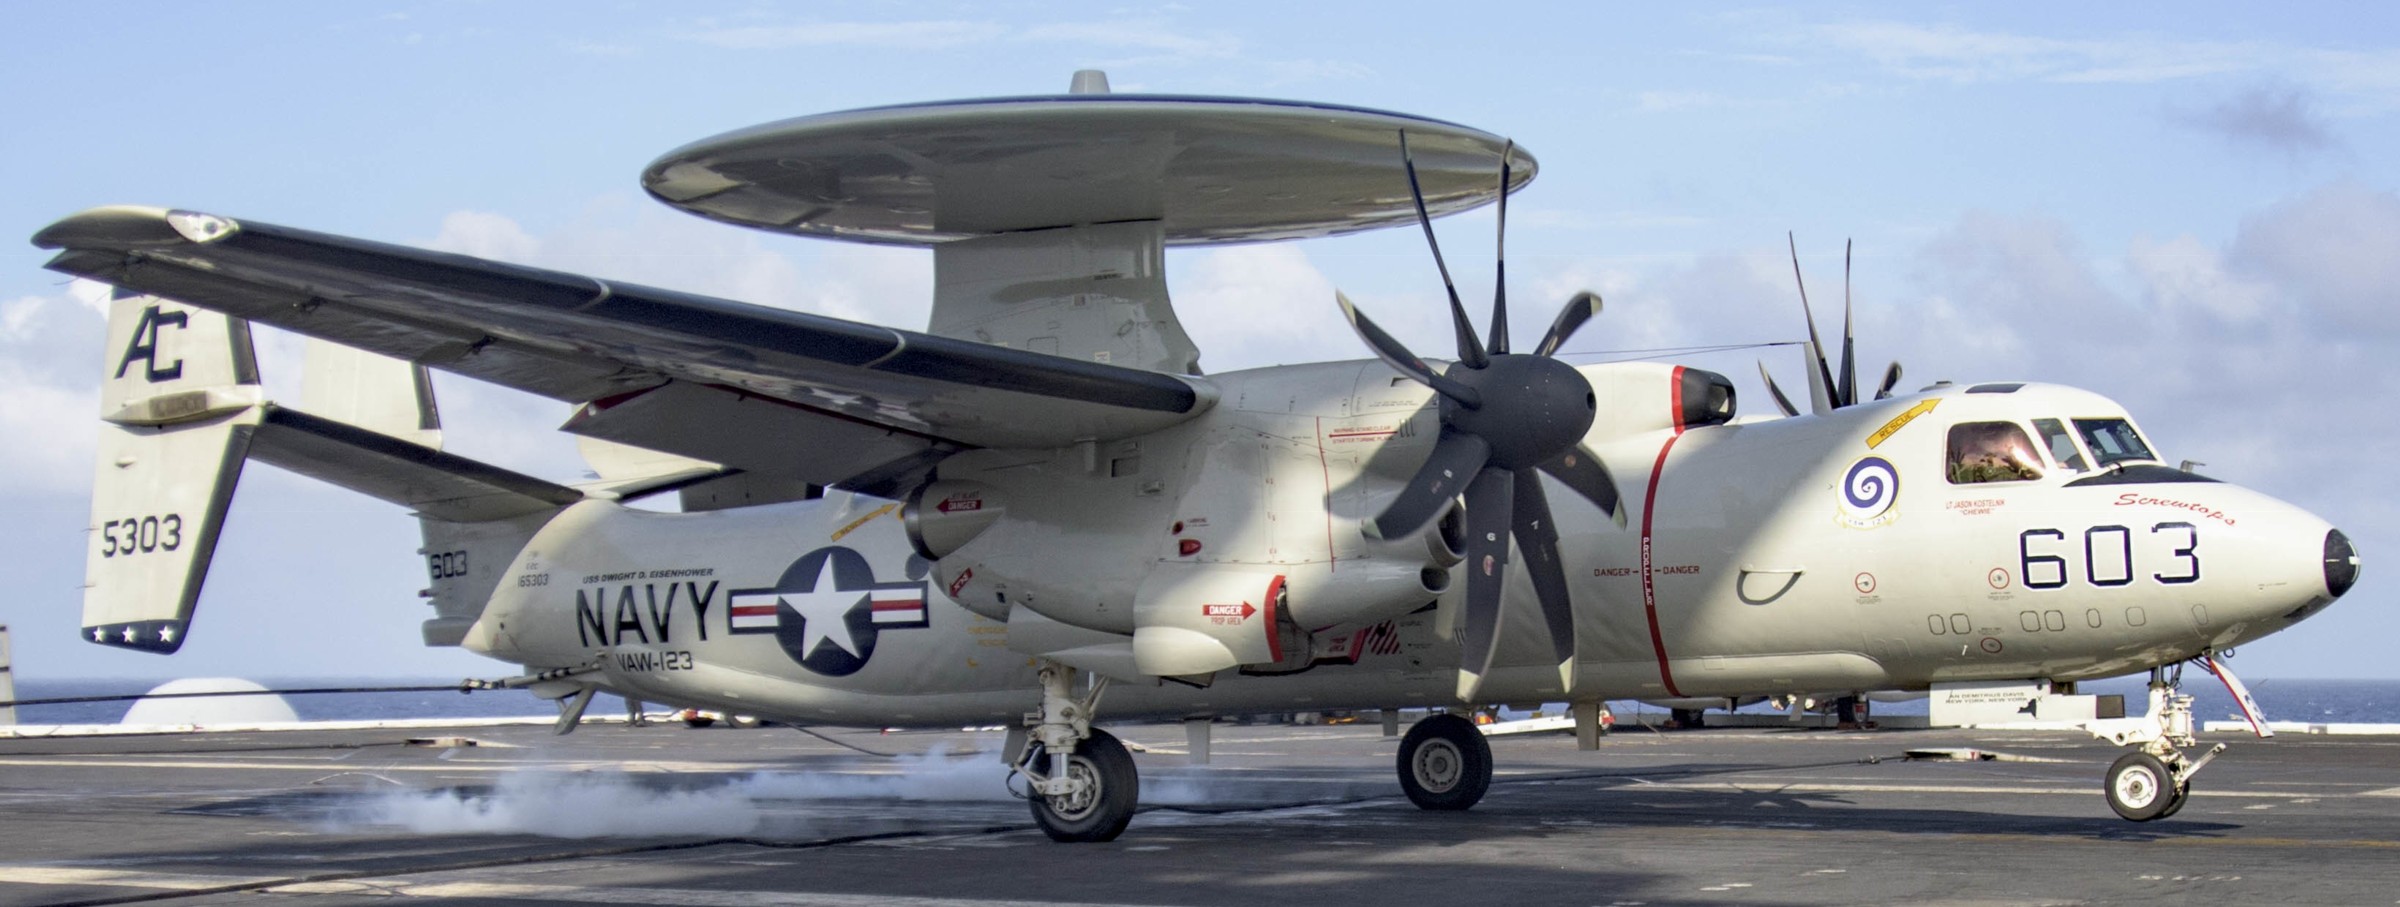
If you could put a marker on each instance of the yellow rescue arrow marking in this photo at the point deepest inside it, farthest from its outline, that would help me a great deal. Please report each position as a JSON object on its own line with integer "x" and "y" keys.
{"x": 1899, "y": 422}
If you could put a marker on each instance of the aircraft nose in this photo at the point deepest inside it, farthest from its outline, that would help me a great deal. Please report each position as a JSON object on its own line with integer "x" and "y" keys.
{"x": 2341, "y": 563}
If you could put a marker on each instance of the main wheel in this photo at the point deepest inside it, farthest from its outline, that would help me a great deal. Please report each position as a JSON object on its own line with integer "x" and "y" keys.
{"x": 1100, "y": 809}
{"x": 1445, "y": 763}
{"x": 2140, "y": 788}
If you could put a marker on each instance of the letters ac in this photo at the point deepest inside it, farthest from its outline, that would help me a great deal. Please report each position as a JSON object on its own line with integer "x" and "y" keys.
{"x": 643, "y": 612}
{"x": 145, "y": 345}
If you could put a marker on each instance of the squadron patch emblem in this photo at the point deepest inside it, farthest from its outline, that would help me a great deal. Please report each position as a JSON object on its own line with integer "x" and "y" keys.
{"x": 1867, "y": 494}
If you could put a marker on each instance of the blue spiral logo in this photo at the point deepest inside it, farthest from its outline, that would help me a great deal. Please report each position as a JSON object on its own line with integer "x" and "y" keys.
{"x": 1869, "y": 489}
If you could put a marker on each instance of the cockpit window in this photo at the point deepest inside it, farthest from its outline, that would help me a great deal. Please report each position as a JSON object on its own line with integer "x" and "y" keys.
{"x": 1991, "y": 452}
{"x": 2113, "y": 441}
{"x": 2062, "y": 445}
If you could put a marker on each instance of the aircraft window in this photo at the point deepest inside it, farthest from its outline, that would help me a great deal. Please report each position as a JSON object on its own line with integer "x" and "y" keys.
{"x": 1991, "y": 452}
{"x": 2113, "y": 441}
{"x": 2062, "y": 444}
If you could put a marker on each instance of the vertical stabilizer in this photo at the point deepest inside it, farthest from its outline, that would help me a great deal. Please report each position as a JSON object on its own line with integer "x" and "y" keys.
{"x": 179, "y": 399}
{"x": 375, "y": 392}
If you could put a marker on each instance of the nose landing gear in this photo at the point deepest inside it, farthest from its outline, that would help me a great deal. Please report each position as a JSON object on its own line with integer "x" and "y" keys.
{"x": 2154, "y": 781}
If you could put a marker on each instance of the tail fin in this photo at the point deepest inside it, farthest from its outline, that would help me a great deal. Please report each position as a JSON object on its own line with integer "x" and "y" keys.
{"x": 185, "y": 411}
{"x": 180, "y": 398}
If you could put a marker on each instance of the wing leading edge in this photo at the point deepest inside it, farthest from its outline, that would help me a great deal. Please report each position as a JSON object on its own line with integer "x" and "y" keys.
{"x": 831, "y": 401}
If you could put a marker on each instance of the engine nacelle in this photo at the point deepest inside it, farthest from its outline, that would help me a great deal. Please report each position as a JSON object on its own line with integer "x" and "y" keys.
{"x": 1641, "y": 397}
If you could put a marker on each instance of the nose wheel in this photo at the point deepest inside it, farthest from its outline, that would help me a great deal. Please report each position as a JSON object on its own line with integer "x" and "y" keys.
{"x": 2154, "y": 780}
{"x": 2141, "y": 787}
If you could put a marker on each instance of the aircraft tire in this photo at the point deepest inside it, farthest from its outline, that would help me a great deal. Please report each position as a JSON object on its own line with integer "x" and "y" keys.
{"x": 2140, "y": 788}
{"x": 1445, "y": 763}
{"x": 2182, "y": 795}
{"x": 1103, "y": 811}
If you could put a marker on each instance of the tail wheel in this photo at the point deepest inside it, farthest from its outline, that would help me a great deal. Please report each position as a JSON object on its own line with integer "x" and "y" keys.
{"x": 1102, "y": 804}
{"x": 1445, "y": 763}
{"x": 2140, "y": 788}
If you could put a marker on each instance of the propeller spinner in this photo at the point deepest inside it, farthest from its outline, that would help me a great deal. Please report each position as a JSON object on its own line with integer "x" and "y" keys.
{"x": 1504, "y": 415}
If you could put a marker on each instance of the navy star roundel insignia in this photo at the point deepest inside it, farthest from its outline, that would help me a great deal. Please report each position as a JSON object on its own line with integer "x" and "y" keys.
{"x": 827, "y": 610}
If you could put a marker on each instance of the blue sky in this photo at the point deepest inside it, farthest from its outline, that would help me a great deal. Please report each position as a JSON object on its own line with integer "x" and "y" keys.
{"x": 2188, "y": 207}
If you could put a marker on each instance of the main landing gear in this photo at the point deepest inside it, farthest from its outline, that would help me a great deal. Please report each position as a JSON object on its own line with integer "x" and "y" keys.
{"x": 2154, "y": 780}
{"x": 1445, "y": 763}
{"x": 1080, "y": 781}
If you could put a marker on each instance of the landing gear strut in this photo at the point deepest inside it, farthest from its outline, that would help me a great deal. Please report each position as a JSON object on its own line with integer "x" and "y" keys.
{"x": 2153, "y": 781}
{"x": 1445, "y": 763}
{"x": 1081, "y": 782}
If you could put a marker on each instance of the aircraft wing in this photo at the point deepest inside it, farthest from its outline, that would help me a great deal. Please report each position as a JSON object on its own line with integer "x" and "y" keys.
{"x": 756, "y": 388}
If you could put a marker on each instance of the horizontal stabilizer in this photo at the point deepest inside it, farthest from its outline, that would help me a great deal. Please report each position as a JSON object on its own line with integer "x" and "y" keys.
{"x": 439, "y": 485}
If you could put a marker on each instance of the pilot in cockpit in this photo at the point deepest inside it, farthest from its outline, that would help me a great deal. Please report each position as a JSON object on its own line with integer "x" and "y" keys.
{"x": 1991, "y": 452}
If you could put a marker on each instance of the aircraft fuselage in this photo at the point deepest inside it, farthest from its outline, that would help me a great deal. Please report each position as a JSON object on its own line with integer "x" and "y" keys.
{"x": 1838, "y": 552}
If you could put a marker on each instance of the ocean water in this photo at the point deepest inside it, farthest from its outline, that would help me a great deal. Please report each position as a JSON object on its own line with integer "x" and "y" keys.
{"x": 2347, "y": 701}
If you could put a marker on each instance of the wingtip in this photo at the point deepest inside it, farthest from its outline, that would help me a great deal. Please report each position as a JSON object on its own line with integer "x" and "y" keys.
{"x": 110, "y": 227}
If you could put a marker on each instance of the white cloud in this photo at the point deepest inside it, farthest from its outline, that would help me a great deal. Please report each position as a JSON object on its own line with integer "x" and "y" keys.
{"x": 589, "y": 47}
{"x": 2181, "y": 275}
{"x": 50, "y": 361}
{"x": 1662, "y": 101}
{"x": 2279, "y": 118}
{"x": 2360, "y": 81}
{"x": 2332, "y": 249}
{"x": 918, "y": 35}
{"x": 485, "y": 235}
{"x": 1959, "y": 54}
{"x": 1155, "y": 36}
{"x": 1259, "y": 305}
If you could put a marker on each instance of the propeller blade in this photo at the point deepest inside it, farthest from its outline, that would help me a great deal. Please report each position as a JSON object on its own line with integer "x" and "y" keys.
{"x": 1781, "y": 402}
{"x": 1389, "y": 349}
{"x": 1891, "y": 379}
{"x": 1490, "y": 499}
{"x": 1470, "y": 350}
{"x": 1537, "y": 543}
{"x": 1583, "y": 473}
{"x": 1846, "y": 393}
{"x": 1499, "y": 334}
{"x": 1816, "y": 347}
{"x": 1454, "y": 463}
{"x": 1583, "y": 307}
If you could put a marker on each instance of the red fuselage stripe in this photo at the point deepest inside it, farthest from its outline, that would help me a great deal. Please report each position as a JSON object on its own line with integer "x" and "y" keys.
{"x": 1658, "y": 643}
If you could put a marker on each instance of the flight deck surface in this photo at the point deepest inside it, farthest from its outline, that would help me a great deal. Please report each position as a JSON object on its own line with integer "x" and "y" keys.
{"x": 1283, "y": 815}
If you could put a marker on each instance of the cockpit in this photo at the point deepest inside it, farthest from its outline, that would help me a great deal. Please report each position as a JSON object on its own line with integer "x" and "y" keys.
{"x": 2004, "y": 451}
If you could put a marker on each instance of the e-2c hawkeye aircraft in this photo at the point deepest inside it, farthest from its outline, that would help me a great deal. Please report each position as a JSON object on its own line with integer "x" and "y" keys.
{"x": 1040, "y": 511}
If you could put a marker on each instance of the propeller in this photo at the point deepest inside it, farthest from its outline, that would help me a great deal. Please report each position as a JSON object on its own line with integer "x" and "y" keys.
{"x": 1828, "y": 389}
{"x": 1504, "y": 416}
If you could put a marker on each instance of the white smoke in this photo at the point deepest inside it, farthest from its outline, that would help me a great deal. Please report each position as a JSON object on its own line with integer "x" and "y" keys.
{"x": 626, "y": 804}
